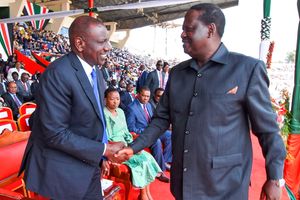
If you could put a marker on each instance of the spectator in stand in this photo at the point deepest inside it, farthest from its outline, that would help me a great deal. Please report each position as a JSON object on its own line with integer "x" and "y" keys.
{"x": 127, "y": 96}
{"x": 35, "y": 85}
{"x": 15, "y": 76}
{"x": 165, "y": 70}
{"x": 3, "y": 84}
{"x": 23, "y": 86}
{"x": 142, "y": 77}
{"x": 155, "y": 99}
{"x": 138, "y": 115}
{"x": 12, "y": 99}
{"x": 17, "y": 69}
{"x": 106, "y": 73}
{"x": 155, "y": 78}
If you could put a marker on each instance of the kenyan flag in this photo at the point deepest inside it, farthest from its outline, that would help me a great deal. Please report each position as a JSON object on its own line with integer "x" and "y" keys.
{"x": 6, "y": 38}
{"x": 33, "y": 9}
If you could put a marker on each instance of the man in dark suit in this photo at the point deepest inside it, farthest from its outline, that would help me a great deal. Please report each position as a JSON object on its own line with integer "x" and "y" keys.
{"x": 155, "y": 78}
{"x": 222, "y": 95}
{"x": 24, "y": 87}
{"x": 142, "y": 78}
{"x": 12, "y": 99}
{"x": 138, "y": 116}
{"x": 3, "y": 84}
{"x": 127, "y": 96}
{"x": 65, "y": 151}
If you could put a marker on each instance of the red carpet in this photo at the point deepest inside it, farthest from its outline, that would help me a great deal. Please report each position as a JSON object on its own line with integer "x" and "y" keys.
{"x": 161, "y": 191}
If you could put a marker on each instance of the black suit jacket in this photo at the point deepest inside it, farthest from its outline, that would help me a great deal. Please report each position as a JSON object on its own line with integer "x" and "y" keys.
{"x": 125, "y": 100}
{"x": 65, "y": 147}
{"x": 12, "y": 104}
{"x": 152, "y": 81}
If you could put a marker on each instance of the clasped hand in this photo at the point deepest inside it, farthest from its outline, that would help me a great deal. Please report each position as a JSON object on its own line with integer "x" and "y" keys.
{"x": 118, "y": 152}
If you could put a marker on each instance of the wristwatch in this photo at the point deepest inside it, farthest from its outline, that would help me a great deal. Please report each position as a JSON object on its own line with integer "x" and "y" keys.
{"x": 279, "y": 182}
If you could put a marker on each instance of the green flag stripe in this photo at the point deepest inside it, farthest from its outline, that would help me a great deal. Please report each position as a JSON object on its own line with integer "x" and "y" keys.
{"x": 3, "y": 45}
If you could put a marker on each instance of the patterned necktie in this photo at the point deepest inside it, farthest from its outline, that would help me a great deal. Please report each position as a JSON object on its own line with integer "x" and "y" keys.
{"x": 146, "y": 113}
{"x": 96, "y": 93}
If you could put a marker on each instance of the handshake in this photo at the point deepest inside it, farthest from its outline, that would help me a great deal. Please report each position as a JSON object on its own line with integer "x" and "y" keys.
{"x": 118, "y": 152}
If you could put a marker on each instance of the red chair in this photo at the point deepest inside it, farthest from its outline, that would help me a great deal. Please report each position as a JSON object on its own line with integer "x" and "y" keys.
{"x": 6, "y": 113}
{"x": 23, "y": 122}
{"x": 120, "y": 173}
{"x": 8, "y": 124}
{"x": 27, "y": 108}
{"x": 9, "y": 195}
{"x": 11, "y": 157}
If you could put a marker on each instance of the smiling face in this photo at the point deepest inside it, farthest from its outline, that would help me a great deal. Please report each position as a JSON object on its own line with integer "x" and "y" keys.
{"x": 95, "y": 45}
{"x": 194, "y": 34}
{"x": 89, "y": 40}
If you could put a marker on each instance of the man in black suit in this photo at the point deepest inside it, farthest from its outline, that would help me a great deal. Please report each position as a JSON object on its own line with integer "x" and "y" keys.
{"x": 212, "y": 100}
{"x": 12, "y": 99}
{"x": 155, "y": 78}
{"x": 127, "y": 96}
{"x": 65, "y": 152}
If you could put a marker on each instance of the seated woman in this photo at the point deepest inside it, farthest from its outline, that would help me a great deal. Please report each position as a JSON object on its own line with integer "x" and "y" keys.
{"x": 143, "y": 166}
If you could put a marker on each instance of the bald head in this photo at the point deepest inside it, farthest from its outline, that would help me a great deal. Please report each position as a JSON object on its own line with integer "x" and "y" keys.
{"x": 81, "y": 27}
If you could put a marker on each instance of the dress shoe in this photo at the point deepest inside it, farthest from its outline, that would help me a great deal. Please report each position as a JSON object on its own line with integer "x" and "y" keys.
{"x": 163, "y": 178}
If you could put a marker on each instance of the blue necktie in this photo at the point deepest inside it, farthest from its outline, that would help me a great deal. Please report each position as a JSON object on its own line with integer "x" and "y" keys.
{"x": 96, "y": 93}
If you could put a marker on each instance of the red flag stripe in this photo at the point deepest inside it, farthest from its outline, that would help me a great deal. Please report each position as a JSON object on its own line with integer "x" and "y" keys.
{"x": 44, "y": 10}
{"x": 29, "y": 8}
{"x": 5, "y": 34}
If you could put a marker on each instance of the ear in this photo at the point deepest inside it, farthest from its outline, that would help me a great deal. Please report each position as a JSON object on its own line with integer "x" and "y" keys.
{"x": 212, "y": 30}
{"x": 79, "y": 43}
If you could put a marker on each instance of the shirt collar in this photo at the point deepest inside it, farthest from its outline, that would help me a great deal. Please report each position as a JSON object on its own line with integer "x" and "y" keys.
{"x": 87, "y": 68}
{"x": 220, "y": 56}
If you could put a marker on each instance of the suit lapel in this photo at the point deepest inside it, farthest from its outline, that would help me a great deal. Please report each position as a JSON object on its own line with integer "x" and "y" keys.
{"x": 140, "y": 109}
{"x": 84, "y": 82}
{"x": 149, "y": 109}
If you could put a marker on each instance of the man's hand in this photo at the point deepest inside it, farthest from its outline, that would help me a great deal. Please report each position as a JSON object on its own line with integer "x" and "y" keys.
{"x": 124, "y": 154}
{"x": 111, "y": 149}
{"x": 105, "y": 168}
{"x": 271, "y": 191}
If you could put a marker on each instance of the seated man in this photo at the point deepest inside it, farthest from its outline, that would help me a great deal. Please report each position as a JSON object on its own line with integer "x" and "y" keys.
{"x": 156, "y": 97}
{"x": 138, "y": 116}
{"x": 12, "y": 99}
{"x": 23, "y": 86}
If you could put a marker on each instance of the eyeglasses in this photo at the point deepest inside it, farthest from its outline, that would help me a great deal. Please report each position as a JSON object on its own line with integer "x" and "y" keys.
{"x": 159, "y": 65}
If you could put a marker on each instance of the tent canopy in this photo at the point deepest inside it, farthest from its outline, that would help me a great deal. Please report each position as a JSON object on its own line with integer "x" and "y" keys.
{"x": 130, "y": 19}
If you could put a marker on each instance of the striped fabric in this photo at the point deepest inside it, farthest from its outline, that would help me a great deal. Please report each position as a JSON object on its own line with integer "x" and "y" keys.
{"x": 6, "y": 38}
{"x": 33, "y": 9}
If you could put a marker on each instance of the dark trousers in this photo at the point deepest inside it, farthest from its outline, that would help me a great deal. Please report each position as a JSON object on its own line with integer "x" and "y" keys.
{"x": 162, "y": 150}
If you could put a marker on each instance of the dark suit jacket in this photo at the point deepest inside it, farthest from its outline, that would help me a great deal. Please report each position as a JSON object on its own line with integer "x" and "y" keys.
{"x": 141, "y": 80}
{"x": 135, "y": 117}
{"x": 34, "y": 87}
{"x": 125, "y": 100}
{"x": 152, "y": 81}
{"x": 65, "y": 146}
{"x": 212, "y": 151}
{"x": 27, "y": 95}
{"x": 12, "y": 104}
